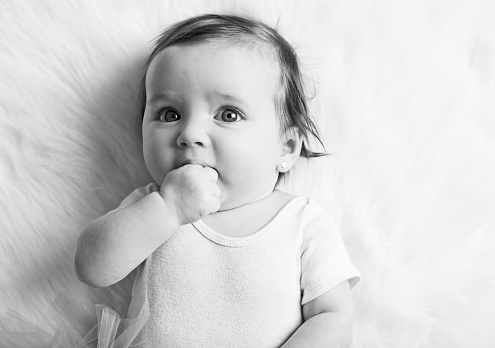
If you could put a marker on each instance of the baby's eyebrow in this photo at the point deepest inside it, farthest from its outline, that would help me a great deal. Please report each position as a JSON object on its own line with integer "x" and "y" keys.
{"x": 162, "y": 95}
{"x": 229, "y": 97}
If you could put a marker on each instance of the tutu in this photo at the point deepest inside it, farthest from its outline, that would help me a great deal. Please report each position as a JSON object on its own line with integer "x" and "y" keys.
{"x": 111, "y": 331}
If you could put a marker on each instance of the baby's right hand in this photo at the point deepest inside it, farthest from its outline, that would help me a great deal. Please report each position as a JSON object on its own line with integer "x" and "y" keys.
{"x": 191, "y": 191}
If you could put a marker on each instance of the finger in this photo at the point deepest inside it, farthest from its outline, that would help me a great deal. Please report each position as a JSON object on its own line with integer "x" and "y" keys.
{"x": 214, "y": 205}
{"x": 211, "y": 173}
{"x": 215, "y": 190}
{"x": 190, "y": 168}
{"x": 218, "y": 191}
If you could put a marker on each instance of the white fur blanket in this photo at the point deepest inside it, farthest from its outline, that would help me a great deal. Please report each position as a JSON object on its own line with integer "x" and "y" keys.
{"x": 405, "y": 100}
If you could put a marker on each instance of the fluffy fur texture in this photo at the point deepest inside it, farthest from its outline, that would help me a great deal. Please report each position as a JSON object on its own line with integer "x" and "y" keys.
{"x": 403, "y": 93}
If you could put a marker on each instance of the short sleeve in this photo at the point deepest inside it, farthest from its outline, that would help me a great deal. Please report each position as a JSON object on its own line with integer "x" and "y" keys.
{"x": 324, "y": 259}
{"x": 137, "y": 195}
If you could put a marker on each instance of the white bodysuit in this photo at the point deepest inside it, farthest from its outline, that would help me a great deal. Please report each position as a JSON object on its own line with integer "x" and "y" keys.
{"x": 205, "y": 289}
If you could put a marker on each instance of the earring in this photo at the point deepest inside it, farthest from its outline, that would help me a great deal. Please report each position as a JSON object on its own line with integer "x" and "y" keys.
{"x": 283, "y": 165}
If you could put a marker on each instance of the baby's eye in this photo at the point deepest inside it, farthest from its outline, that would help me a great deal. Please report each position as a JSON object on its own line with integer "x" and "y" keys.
{"x": 168, "y": 115}
{"x": 230, "y": 115}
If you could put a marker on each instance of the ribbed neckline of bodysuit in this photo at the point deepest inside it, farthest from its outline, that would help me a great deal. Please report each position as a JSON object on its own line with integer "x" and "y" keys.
{"x": 221, "y": 239}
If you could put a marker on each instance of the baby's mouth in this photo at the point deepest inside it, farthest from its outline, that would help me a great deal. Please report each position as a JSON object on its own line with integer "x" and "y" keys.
{"x": 194, "y": 161}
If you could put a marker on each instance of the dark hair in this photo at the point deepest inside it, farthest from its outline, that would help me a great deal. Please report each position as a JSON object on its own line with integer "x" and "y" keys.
{"x": 291, "y": 101}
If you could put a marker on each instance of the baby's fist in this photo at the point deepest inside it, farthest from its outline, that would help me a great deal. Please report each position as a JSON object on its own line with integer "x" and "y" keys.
{"x": 191, "y": 192}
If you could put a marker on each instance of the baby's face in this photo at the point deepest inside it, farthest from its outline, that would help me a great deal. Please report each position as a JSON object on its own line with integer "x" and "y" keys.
{"x": 214, "y": 105}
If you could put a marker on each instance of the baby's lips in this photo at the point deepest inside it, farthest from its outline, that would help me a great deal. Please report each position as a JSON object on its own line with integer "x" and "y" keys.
{"x": 198, "y": 162}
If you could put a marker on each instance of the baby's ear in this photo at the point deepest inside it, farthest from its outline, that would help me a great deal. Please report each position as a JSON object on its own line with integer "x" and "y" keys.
{"x": 291, "y": 148}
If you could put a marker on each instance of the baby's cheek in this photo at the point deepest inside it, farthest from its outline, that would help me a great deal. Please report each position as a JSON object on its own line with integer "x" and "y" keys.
{"x": 157, "y": 166}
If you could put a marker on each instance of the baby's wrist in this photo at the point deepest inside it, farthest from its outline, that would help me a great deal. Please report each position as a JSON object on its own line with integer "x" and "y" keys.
{"x": 169, "y": 206}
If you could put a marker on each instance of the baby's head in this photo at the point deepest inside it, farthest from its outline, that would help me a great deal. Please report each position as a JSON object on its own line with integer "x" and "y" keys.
{"x": 291, "y": 103}
{"x": 204, "y": 66}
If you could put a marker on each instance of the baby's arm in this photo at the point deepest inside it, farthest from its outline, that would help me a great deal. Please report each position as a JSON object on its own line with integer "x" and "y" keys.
{"x": 327, "y": 320}
{"x": 113, "y": 245}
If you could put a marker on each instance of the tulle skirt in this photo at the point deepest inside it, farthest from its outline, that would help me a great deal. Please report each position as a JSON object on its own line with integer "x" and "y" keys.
{"x": 111, "y": 331}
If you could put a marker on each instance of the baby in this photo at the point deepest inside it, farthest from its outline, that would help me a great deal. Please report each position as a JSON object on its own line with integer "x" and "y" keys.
{"x": 222, "y": 257}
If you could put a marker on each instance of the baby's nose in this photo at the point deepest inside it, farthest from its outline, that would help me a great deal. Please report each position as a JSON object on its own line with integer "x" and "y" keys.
{"x": 193, "y": 134}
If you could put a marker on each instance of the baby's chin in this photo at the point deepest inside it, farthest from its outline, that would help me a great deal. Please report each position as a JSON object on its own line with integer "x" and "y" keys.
{"x": 230, "y": 201}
